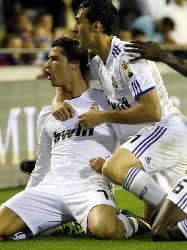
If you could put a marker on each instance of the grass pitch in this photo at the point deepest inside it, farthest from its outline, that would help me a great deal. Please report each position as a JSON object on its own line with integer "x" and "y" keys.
{"x": 124, "y": 200}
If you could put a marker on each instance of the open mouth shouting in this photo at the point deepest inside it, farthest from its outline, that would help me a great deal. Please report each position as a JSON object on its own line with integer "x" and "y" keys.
{"x": 49, "y": 76}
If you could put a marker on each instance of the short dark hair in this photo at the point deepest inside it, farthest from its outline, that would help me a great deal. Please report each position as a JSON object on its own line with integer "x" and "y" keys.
{"x": 167, "y": 21}
{"x": 72, "y": 51}
{"x": 104, "y": 12}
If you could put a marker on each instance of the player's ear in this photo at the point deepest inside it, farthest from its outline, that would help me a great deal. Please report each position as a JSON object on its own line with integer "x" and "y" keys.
{"x": 97, "y": 26}
{"x": 75, "y": 65}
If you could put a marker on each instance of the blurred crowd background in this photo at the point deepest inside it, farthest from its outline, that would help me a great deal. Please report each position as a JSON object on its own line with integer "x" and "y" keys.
{"x": 33, "y": 25}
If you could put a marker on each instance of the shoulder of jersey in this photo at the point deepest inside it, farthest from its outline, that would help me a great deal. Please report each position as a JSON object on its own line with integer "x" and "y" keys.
{"x": 119, "y": 44}
{"x": 96, "y": 59}
{"x": 45, "y": 112}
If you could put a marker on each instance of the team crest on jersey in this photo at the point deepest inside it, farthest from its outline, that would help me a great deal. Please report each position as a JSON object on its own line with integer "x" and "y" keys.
{"x": 95, "y": 106}
{"x": 127, "y": 70}
{"x": 147, "y": 159}
{"x": 114, "y": 83}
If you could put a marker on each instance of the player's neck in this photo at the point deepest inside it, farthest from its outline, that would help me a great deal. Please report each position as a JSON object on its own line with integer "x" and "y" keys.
{"x": 102, "y": 46}
{"x": 76, "y": 89}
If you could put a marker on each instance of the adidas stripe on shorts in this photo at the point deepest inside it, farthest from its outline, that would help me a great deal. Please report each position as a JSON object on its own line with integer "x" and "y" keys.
{"x": 162, "y": 151}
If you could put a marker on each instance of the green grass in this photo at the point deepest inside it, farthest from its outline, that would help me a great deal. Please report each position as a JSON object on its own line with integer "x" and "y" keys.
{"x": 124, "y": 200}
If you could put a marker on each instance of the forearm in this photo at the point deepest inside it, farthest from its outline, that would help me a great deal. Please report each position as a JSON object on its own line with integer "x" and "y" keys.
{"x": 174, "y": 62}
{"x": 133, "y": 115}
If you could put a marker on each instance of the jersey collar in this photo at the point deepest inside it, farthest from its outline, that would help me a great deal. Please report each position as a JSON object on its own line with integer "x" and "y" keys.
{"x": 85, "y": 95}
{"x": 110, "y": 55}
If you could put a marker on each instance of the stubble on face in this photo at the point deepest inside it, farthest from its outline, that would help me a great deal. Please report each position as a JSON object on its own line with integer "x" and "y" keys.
{"x": 83, "y": 30}
{"x": 57, "y": 69}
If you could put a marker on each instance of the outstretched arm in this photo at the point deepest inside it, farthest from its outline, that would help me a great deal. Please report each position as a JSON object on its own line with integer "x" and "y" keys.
{"x": 152, "y": 51}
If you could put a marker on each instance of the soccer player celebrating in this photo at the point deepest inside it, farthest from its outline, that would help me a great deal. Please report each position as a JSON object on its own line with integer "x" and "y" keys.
{"x": 174, "y": 226}
{"x": 139, "y": 99}
{"x": 62, "y": 182}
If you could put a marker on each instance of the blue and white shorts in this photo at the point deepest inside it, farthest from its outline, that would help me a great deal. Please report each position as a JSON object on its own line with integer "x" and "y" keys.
{"x": 162, "y": 150}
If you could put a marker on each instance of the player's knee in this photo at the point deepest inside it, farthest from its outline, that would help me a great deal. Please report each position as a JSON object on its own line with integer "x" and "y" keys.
{"x": 107, "y": 169}
{"x": 2, "y": 224}
{"x": 10, "y": 222}
{"x": 4, "y": 231}
{"x": 103, "y": 230}
{"x": 112, "y": 170}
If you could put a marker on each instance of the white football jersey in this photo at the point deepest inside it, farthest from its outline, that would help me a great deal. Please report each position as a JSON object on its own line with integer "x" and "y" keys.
{"x": 71, "y": 146}
{"x": 43, "y": 154}
{"x": 124, "y": 83}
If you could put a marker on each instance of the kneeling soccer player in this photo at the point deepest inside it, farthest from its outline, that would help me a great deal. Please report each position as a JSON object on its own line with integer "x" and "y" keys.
{"x": 62, "y": 186}
{"x": 171, "y": 221}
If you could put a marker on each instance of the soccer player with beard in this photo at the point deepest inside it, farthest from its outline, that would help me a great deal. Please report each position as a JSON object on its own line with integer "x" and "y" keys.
{"x": 62, "y": 182}
{"x": 139, "y": 99}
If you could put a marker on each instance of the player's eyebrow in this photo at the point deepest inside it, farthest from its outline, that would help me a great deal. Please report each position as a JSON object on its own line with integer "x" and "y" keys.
{"x": 53, "y": 57}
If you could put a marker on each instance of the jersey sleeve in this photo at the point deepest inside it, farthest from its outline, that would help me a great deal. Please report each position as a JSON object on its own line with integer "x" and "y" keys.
{"x": 43, "y": 155}
{"x": 138, "y": 75}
